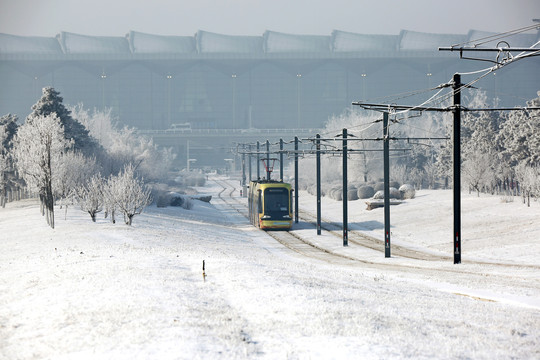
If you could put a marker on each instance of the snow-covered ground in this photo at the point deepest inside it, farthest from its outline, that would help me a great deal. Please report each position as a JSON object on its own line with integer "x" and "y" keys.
{"x": 101, "y": 291}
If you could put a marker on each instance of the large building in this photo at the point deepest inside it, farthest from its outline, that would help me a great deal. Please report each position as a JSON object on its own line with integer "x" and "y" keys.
{"x": 239, "y": 82}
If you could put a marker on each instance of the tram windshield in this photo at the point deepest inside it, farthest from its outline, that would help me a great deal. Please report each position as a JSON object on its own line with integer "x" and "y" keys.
{"x": 276, "y": 201}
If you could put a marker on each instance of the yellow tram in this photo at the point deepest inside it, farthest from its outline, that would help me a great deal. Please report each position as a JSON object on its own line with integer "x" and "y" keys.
{"x": 270, "y": 204}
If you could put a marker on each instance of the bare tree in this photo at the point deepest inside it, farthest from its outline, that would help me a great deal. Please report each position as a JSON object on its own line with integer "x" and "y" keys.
{"x": 90, "y": 196}
{"x": 528, "y": 177}
{"x": 129, "y": 193}
{"x": 37, "y": 146}
{"x": 70, "y": 173}
{"x": 109, "y": 201}
{"x": 8, "y": 129}
{"x": 4, "y": 166}
{"x": 478, "y": 171}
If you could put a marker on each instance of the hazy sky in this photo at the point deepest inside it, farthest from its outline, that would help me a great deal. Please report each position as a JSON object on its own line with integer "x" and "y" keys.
{"x": 253, "y": 17}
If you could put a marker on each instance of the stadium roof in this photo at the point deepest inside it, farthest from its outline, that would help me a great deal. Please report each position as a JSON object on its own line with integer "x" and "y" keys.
{"x": 203, "y": 43}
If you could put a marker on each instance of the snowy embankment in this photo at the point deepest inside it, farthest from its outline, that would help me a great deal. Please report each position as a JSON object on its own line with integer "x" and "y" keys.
{"x": 98, "y": 290}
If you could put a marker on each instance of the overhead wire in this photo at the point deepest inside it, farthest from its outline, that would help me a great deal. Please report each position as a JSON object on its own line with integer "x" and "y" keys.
{"x": 439, "y": 99}
{"x": 498, "y": 36}
{"x": 489, "y": 70}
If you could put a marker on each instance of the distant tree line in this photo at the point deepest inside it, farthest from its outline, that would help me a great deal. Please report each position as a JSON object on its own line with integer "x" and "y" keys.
{"x": 72, "y": 156}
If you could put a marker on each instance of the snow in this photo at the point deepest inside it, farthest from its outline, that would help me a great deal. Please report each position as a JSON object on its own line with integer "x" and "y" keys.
{"x": 109, "y": 291}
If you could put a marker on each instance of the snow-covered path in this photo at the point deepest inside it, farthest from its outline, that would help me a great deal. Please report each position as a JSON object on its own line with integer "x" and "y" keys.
{"x": 100, "y": 290}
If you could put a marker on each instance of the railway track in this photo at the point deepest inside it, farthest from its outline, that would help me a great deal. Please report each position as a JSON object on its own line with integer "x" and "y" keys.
{"x": 370, "y": 242}
{"x": 500, "y": 278}
{"x": 356, "y": 238}
{"x": 286, "y": 238}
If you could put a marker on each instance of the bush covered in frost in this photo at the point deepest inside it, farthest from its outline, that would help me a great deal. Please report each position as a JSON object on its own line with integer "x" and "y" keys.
{"x": 407, "y": 191}
{"x": 394, "y": 194}
{"x": 365, "y": 192}
{"x": 352, "y": 194}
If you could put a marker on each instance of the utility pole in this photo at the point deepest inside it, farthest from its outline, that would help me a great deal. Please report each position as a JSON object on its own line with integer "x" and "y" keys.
{"x": 318, "y": 151}
{"x": 281, "y": 159}
{"x": 296, "y": 179}
{"x": 456, "y": 86}
{"x": 345, "y": 191}
{"x": 386, "y": 156}
{"x": 268, "y": 174}
{"x": 249, "y": 162}
{"x": 244, "y": 187}
{"x": 258, "y": 161}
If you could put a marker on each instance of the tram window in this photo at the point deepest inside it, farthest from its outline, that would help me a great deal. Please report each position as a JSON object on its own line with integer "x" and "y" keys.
{"x": 276, "y": 200}
{"x": 259, "y": 203}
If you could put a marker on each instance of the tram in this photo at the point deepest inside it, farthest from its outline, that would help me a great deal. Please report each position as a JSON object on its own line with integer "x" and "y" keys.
{"x": 270, "y": 204}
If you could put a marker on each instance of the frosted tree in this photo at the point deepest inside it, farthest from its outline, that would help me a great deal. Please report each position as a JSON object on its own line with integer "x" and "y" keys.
{"x": 124, "y": 146}
{"x": 109, "y": 201}
{"x": 4, "y": 166}
{"x": 129, "y": 148}
{"x": 71, "y": 171}
{"x": 9, "y": 125}
{"x": 477, "y": 171}
{"x": 520, "y": 137}
{"x": 529, "y": 178}
{"x": 8, "y": 129}
{"x": 519, "y": 141}
{"x": 129, "y": 193}
{"x": 90, "y": 196}
{"x": 37, "y": 147}
{"x": 431, "y": 172}
{"x": 100, "y": 123}
{"x": 478, "y": 136}
{"x": 360, "y": 124}
{"x": 443, "y": 160}
{"x": 52, "y": 103}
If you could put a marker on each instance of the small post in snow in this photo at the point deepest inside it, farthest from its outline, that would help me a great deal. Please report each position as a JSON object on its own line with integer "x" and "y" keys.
{"x": 203, "y": 272}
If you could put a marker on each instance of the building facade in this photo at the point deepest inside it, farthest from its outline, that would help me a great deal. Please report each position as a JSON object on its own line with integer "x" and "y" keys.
{"x": 215, "y": 81}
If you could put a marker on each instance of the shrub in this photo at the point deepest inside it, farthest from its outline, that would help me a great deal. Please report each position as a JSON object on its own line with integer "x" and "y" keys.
{"x": 407, "y": 191}
{"x": 365, "y": 192}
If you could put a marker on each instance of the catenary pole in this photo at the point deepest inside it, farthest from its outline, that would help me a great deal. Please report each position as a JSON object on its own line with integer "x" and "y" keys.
{"x": 345, "y": 191}
{"x": 249, "y": 162}
{"x": 296, "y": 179}
{"x": 258, "y": 161}
{"x": 281, "y": 159}
{"x": 244, "y": 186}
{"x": 318, "y": 152}
{"x": 386, "y": 156}
{"x": 268, "y": 174}
{"x": 457, "y": 167}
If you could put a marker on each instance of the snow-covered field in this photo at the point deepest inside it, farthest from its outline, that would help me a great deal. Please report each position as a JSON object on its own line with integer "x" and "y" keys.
{"x": 101, "y": 291}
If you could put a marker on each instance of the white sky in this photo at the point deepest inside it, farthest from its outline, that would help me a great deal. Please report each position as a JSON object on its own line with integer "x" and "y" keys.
{"x": 253, "y": 17}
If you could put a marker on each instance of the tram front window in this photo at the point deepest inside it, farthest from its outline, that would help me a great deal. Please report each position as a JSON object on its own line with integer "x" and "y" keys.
{"x": 276, "y": 202}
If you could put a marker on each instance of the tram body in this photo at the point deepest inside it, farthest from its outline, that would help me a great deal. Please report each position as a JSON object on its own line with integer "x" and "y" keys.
{"x": 270, "y": 204}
